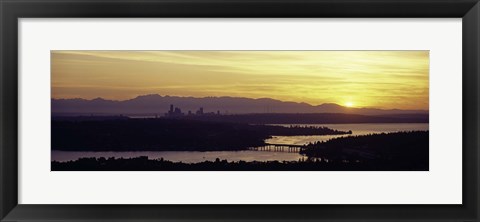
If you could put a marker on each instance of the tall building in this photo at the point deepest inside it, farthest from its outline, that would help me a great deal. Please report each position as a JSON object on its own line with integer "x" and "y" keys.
{"x": 177, "y": 111}
{"x": 199, "y": 111}
{"x": 174, "y": 111}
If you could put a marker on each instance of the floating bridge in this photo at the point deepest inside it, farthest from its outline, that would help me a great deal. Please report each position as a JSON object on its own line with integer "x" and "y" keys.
{"x": 288, "y": 148}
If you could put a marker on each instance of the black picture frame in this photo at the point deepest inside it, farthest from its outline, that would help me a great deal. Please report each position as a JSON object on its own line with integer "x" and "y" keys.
{"x": 12, "y": 10}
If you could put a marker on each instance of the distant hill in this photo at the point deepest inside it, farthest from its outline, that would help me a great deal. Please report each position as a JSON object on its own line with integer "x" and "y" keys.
{"x": 156, "y": 104}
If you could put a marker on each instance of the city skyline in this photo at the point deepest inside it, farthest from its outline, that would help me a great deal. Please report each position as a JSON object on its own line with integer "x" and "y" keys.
{"x": 377, "y": 79}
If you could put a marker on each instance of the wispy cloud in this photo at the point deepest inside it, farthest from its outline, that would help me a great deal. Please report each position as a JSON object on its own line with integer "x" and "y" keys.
{"x": 387, "y": 79}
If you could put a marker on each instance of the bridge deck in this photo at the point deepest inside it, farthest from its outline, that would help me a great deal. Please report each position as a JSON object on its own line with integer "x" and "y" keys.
{"x": 289, "y": 145}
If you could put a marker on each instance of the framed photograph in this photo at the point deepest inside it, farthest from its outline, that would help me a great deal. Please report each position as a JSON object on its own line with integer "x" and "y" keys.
{"x": 225, "y": 110}
{"x": 239, "y": 111}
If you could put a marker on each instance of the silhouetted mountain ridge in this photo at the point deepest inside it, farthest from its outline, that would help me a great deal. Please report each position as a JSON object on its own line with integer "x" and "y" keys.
{"x": 157, "y": 104}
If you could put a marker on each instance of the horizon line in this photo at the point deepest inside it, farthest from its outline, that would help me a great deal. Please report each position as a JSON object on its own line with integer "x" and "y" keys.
{"x": 156, "y": 94}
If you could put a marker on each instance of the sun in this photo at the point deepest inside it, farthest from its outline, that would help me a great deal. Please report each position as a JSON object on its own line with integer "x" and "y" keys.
{"x": 349, "y": 104}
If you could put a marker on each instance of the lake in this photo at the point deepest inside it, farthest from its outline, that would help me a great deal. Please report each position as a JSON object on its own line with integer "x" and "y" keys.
{"x": 357, "y": 129}
{"x": 249, "y": 155}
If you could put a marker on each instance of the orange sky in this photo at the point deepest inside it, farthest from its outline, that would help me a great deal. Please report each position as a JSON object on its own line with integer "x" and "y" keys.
{"x": 381, "y": 79}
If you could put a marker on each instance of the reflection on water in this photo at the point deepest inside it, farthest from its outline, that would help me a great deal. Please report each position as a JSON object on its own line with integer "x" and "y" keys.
{"x": 357, "y": 129}
{"x": 195, "y": 156}
{"x": 183, "y": 156}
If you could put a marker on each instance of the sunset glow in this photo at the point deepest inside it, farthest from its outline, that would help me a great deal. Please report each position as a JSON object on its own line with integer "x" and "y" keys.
{"x": 349, "y": 104}
{"x": 379, "y": 79}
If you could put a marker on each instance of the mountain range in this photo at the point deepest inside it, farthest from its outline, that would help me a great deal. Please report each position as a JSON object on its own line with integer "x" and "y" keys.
{"x": 156, "y": 104}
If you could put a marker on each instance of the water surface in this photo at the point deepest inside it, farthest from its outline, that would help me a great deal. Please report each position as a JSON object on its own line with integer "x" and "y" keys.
{"x": 357, "y": 129}
{"x": 249, "y": 155}
{"x": 183, "y": 156}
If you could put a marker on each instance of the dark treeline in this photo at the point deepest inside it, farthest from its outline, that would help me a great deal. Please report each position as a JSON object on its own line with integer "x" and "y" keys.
{"x": 88, "y": 117}
{"x": 144, "y": 164}
{"x": 298, "y": 130}
{"x": 405, "y": 149}
{"x": 311, "y": 118}
{"x": 278, "y": 118}
{"x": 124, "y": 134}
